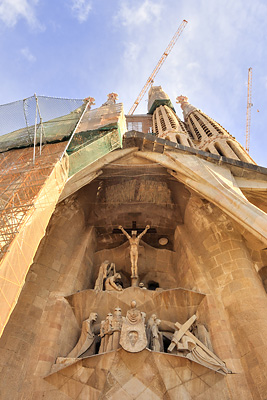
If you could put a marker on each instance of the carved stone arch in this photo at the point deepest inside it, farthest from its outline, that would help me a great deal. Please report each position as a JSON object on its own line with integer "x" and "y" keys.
{"x": 209, "y": 182}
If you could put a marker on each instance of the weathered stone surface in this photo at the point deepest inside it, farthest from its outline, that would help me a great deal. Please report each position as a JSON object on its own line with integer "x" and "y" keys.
{"x": 127, "y": 375}
{"x": 212, "y": 265}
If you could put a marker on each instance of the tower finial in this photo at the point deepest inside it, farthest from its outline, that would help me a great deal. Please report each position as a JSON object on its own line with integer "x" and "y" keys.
{"x": 112, "y": 97}
{"x": 181, "y": 100}
{"x": 185, "y": 105}
{"x": 89, "y": 100}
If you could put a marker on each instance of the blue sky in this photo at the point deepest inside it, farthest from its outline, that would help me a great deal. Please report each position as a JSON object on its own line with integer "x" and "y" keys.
{"x": 81, "y": 48}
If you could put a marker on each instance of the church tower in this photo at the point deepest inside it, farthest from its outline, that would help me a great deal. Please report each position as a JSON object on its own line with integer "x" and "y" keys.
{"x": 133, "y": 258}
{"x": 166, "y": 124}
{"x": 209, "y": 135}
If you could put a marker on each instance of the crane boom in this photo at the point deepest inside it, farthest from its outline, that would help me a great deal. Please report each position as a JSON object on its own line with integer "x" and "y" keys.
{"x": 249, "y": 105}
{"x": 150, "y": 80}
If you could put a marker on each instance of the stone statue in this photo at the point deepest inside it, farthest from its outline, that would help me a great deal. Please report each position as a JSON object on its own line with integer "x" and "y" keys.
{"x": 182, "y": 329}
{"x": 157, "y": 338}
{"x": 184, "y": 343}
{"x": 102, "y": 337}
{"x": 154, "y": 336}
{"x": 110, "y": 283}
{"x": 110, "y": 330}
{"x": 133, "y": 334}
{"x": 151, "y": 321}
{"x": 106, "y": 270}
{"x": 108, "y": 333}
{"x": 134, "y": 245}
{"x": 144, "y": 317}
{"x": 116, "y": 328}
{"x": 201, "y": 332}
{"x": 105, "y": 331}
{"x": 87, "y": 338}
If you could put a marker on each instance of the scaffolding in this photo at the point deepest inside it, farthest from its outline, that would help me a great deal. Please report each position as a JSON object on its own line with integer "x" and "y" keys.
{"x": 29, "y": 194}
{"x": 20, "y": 182}
{"x": 32, "y": 180}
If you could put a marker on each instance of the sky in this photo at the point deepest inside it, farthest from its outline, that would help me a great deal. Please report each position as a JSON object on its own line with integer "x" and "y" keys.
{"x": 82, "y": 48}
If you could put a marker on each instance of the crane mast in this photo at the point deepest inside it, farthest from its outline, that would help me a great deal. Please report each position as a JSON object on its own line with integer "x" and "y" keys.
{"x": 249, "y": 105}
{"x": 150, "y": 80}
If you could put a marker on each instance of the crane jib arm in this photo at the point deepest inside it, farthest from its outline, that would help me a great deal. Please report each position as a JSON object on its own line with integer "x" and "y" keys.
{"x": 150, "y": 80}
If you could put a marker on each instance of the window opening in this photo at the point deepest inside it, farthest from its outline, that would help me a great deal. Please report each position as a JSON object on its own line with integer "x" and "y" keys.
{"x": 135, "y": 126}
{"x": 219, "y": 150}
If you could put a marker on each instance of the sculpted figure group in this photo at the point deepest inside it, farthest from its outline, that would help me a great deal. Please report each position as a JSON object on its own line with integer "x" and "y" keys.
{"x": 108, "y": 278}
{"x": 110, "y": 331}
{"x": 134, "y": 334}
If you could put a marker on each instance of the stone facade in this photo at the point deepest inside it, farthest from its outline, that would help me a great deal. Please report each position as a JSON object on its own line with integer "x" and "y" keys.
{"x": 150, "y": 281}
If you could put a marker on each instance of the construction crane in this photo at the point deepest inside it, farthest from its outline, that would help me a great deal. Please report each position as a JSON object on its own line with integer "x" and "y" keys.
{"x": 249, "y": 105}
{"x": 150, "y": 80}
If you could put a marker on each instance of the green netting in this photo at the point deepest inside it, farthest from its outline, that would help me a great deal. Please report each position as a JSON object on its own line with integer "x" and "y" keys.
{"x": 83, "y": 139}
{"x": 59, "y": 117}
{"x": 86, "y": 146}
{"x": 55, "y": 130}
{"x": 84, "y": 155}
{"x": 160, "y": 102}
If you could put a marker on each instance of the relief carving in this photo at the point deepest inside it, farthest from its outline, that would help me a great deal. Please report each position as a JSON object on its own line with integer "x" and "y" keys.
{"x": 185, "y": 344}
{"x": 135, "y": 332}
{"x": 201, "y": 332}
{"x": 112, "y": 283}
{"x": 107, "y": 276}
{"x": 110, "y": 331}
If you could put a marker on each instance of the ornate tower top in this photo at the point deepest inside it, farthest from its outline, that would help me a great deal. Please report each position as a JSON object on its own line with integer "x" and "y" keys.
{"x": 182, "y": 100}
{"x": 166, "y": 123}
{"x": 157, "y": 97}
{"x": 185, "y": 105}
{"x": 209, "y": 135}
{"x": 89, "y": 100}
{"x": 112, "y": 97}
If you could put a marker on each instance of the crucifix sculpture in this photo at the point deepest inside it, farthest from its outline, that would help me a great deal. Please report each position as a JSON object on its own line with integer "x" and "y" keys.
{"x": 134, "y": 245}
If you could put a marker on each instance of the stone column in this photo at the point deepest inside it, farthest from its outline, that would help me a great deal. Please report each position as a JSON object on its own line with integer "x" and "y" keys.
{"x": 233, "y": 281}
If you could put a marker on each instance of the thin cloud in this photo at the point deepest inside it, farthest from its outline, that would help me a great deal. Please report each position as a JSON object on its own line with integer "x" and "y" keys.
{"x": 131, "y": 53}
{"x": 13, "y": 10}
{"x": 81, "y": 9}
{"x": 28, "y": 54}
{"x": 138, "y": 14}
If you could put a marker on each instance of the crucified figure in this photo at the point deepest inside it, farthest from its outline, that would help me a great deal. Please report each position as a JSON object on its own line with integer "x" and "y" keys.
{"x": 134, "y": 244}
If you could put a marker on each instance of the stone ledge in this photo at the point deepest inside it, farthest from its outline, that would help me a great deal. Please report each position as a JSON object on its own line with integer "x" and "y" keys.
{"x": 151, "y": 142}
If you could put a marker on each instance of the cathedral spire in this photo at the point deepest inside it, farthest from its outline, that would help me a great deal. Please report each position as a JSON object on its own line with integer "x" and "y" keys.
{"x": 209, "y": 135}
{"x": 166, "y": 124}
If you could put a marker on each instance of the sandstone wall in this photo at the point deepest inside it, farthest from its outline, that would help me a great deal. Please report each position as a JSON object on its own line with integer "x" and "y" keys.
{"x": 42, "y": 325}
{"x": 215, "y": 260}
